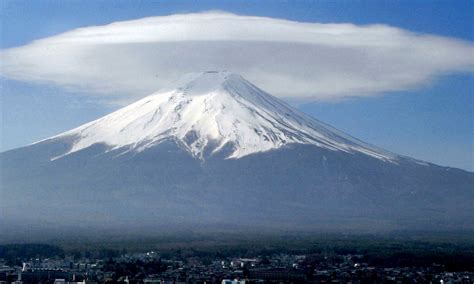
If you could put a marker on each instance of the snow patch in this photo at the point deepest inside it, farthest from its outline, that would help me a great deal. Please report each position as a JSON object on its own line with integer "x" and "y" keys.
{"x": 215, "y": 108}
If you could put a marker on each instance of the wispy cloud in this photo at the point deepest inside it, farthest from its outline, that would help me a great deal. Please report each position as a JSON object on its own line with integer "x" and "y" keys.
{"x": 289, "y": 59}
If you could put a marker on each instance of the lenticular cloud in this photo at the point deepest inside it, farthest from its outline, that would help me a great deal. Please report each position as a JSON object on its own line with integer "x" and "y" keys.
{"x": 289, "y": 59}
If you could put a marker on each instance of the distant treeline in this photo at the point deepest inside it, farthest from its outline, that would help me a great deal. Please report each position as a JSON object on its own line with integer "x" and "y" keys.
{"x": 14, "y": 253}
{"x": 380, "y": 252}
{"x": 376, "y": 251}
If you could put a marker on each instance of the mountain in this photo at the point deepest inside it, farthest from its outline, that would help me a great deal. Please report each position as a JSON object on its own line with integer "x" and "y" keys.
{"x": 214, "y": 149}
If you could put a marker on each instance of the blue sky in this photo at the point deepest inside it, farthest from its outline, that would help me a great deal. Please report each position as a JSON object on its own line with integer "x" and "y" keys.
{"x": 432, "y": 121}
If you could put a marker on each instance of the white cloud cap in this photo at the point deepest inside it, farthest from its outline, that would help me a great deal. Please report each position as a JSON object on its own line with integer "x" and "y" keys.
{"x": 289, "y": 59}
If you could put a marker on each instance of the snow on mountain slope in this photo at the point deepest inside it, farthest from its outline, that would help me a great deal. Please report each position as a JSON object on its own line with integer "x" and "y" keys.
{"x": 210, "y": 110}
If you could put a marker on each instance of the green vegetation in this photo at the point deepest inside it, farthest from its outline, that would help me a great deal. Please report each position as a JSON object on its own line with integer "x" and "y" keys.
{"x": 14, "y": 253}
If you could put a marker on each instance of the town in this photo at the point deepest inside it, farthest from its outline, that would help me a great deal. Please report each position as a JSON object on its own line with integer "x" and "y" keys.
{"x": 110, "y": 266}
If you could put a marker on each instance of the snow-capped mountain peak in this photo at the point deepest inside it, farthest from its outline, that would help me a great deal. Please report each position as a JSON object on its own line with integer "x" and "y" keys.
{"x": 205, "y": 112}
